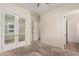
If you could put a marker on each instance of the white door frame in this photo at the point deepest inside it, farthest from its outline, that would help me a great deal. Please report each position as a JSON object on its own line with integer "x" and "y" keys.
{"x": 0, "y": 32}
{"x": 65, "y": 30}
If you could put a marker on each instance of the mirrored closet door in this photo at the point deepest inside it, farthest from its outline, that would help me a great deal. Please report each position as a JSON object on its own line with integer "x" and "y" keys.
{"x": 12, "y": 32}
{"x": 9, "y": 31}
{"x": 21, "y": 32}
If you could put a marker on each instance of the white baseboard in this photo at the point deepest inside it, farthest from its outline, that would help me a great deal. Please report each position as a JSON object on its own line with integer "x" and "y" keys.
{"x": 52, "y": 44}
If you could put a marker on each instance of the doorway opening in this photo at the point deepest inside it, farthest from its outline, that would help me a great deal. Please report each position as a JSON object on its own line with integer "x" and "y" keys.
{"x": 72, "y": 31}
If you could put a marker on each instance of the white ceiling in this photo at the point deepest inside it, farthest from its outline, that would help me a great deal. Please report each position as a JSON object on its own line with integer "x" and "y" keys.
{"x": 41, "y": 9}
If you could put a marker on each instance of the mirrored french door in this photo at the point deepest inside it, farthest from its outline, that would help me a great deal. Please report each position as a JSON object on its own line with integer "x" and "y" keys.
{"x": 21, "y": 32}
{"x": 8, "y": 31}
{"x": 13, "y": 32}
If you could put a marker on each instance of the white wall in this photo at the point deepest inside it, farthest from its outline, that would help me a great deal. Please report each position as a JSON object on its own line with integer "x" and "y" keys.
{"x": 12, "y": 8}
{"x": 53, "y": 25}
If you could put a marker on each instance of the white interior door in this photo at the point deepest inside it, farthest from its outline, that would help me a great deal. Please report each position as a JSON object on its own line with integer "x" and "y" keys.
{"x": 21, "y": 32}
{"x": 35, "y": 30}
{"x": 8, "y": 31}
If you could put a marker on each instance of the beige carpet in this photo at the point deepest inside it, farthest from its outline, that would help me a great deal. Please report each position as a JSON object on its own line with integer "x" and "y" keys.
{"x": 39, "y": 49}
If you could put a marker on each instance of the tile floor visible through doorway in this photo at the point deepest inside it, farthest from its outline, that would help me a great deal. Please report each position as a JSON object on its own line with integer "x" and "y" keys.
{"x": 39, "y": 49}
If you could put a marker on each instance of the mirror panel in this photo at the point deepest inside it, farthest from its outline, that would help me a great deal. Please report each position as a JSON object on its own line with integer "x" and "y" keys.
{"x": 21, "y": 37}
{"x": 21, "y": 31}
{"x": 9, "y": 39}
{"x": 9, "y": 28}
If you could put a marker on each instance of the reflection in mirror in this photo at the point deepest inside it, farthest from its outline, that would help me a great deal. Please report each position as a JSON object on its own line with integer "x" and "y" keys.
{"x": 9, "y": 39}
{"x": 21, "y": 21}
{"x": 21, "y": 29}
{"x": 9, "y": 23}
{"x": 9, "y": 28}
{"x": 21, "y": 37}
